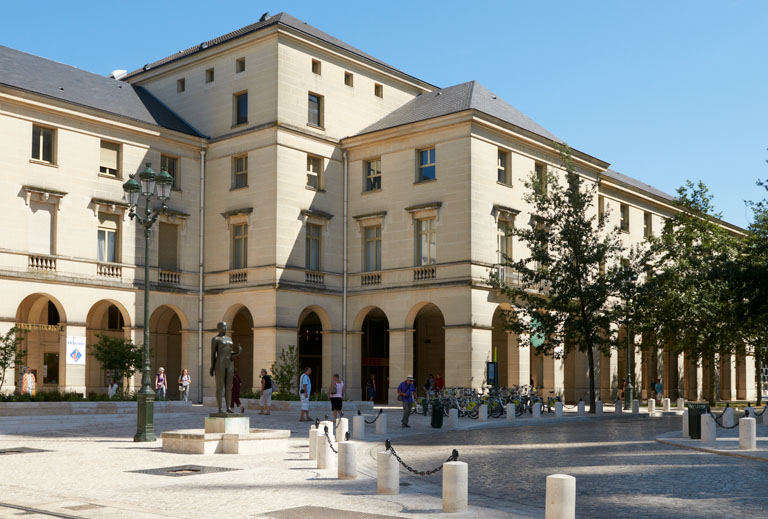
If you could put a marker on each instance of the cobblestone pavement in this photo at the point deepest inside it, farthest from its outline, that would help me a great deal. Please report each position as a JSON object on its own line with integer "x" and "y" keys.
{"x": 621, "y": 472}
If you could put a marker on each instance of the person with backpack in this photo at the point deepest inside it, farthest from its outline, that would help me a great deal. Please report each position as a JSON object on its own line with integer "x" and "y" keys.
{"x": 266, "y": 392}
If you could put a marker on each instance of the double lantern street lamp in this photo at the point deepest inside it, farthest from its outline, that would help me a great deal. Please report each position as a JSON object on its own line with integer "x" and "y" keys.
{"x": 148, "y": 186}
{"x": 631, "y": 279}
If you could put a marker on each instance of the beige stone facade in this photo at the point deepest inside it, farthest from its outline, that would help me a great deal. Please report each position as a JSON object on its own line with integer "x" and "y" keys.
{"x": 405, "y": 293}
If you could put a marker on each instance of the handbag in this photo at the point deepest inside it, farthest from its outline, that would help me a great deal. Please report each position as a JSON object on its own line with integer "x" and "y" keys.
{"x": 400, "y": 398}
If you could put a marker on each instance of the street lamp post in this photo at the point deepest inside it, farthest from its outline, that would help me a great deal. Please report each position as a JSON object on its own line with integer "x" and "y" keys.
{"x": 148, "y": 183}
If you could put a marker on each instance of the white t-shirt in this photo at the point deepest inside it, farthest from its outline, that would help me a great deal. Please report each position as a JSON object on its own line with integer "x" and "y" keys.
{"x": 305, "y": 380}
{"x": 339, "y": 390}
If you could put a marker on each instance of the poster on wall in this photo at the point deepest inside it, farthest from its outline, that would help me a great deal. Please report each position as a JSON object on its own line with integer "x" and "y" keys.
{"x": 76, "y": 350}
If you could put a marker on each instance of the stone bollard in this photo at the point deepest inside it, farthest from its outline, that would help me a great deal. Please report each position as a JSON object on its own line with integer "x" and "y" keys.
{"x": 560, "y": 497}
{"x": 708, "y": 430}
{"x": 313, "y": 432}
{"x": 511, "y": 412}
{"x": 728, "y": 419}
{"x": 330, "y": 425}
{"x": 582, "y": 408}
{"x": 483, "y": 413}
{"x": 347, "y": 460}
{"x": 453, "y": 418}
{"x": 599, "y": 408}
{"x": 619, "y": 407}
{"x": 326, "y": 458}
{"x": 558, "y": 409}
{"x": 680, "y": 404}
{"x": 747, "y": 434}
{"x": 342, "y": 428}
{"x": 358, "y": 427}
{"x": 686, "y": 433}
{"x": 455, "y": 486}
{"x": 635, "y": 406}
{"x": 666, "y": 405}
{"x": 537, "y": 410}
{"x": 651, "y": 406}
{"x": 387, "y": 474}
{"x": 381, "y": 424}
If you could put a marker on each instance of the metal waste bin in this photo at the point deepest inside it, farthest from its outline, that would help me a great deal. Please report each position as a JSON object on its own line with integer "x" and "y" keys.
{"x": 694, "y": 419}
{"x": 437, "y": 414}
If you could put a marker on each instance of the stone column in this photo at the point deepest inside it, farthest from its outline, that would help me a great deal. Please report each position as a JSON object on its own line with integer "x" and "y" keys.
{"x": 332, "y": 355}
{"x": 190, "y": 361}
{"x": 401, "y": 359}
{"x": 74, "y": 374}
{"x": 354, "y": 368}
{"x": 268, "y": 342}
{"x": 10, "y": 375}
{"x": 463, "y": 357}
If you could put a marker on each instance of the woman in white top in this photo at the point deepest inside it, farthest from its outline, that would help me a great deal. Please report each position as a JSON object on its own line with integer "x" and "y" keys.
{"x": 337, "y": 395}
{"x": 184, "y": 380}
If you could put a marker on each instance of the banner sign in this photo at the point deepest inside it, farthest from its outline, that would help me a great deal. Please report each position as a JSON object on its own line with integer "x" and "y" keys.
{"x": 76, "y": 350}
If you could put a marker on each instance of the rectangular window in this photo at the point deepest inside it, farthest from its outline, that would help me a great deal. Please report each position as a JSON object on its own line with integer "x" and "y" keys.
{"x": 624, "y": 218}
{"x": 426, "y": 242}
{"x": 42, "y": 143}
{"x": 241, "y": 108}
{"x": 107, "y": 238}
{"x": 502, "y": 167}
{"x": 316, "y": 67}
{"x": 372, "y": 248}
{"x": 372, "y": 170}
{"x": 167, "y": 244}
{"x": 239, "y": 65}
{"x": 600, "y": 206}
{"x": 349, "y": 79}
{"x": 541, "y": 176}
{"x": 240, "y": 172}
{"x": 239, "y": 246}
{"x": 648, "y": 225}
{"x": 314, "y": 167}
{"x": 171, "y": 165}
{"x": 313, "y": 247}
{"x": 181, "y": 85}
{"x": 504, "y": 234}
{"x": 209, "y": 76}
{"x": 109, "y": 159}
{"x": 378, "y": 90}
{"x": 426, "y": 165}
{"x": 315, "y": 114}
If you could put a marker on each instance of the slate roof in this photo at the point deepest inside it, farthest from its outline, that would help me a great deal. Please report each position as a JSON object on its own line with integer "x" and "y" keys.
{"x": 465, "y": 96}
{"x": 637, "y": 184}
{"x": 284, "y": 19}
{"x": 66, "y": 83}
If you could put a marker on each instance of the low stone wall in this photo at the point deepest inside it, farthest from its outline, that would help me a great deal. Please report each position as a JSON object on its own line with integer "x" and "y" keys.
{"x": 84, "y": 408}
{"x": 252, "y": 404}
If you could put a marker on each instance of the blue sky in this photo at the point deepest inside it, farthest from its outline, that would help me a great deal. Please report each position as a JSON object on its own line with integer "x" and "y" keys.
{"x": 663, "y": 90}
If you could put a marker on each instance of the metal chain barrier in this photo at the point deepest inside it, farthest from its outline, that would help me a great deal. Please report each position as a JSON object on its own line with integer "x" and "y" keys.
{"x": 330, "y": 443}
{"x": 374, "y": 420}
{"x": 337, "y": 422}
{"x": 761, "y": 414}
{"x": 453, "y": 457}
{"x": 718, "y": 422}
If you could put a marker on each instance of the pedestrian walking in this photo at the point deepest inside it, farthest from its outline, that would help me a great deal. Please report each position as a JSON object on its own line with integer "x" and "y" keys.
{"x": 370, "y": 387}
{"x": 439, "y": 382}
{"x": 659, "y": 390}
{"x": 184, "y": 380}
{"x": 336, "y": 395}
{"x": 405, "y": 392}
{"x": 266, "y": 392}
{"x": 236, "y": 383}
{"x": 305, "y": 388}
{"x": 161, "y": 384}
{"x": 623, "y": 388}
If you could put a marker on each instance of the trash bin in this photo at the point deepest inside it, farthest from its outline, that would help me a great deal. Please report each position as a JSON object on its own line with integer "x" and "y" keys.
{"x": 694, "y": 419}
{"x": 437, "y": 414}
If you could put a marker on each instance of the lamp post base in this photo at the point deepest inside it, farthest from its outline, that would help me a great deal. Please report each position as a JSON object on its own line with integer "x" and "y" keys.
{"x": 145, "y": 428}
{"x": 629, "y": 395}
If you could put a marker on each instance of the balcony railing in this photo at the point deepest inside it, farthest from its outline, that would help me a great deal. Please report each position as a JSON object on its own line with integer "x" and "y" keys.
{"x": 370, "y": 278}
{"x": 314, "y": 278}
{"x": 109, "y": 270}
{"x": 168, "y": 277}
{"x": 424, "y": 273}
{"x": 512, "y": 277}
{"x": 38, "y": 262}
{"x": 238, "y": 276}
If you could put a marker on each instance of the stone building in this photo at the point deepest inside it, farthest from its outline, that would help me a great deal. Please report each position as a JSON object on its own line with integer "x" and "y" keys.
{"x": 321, "y": 198}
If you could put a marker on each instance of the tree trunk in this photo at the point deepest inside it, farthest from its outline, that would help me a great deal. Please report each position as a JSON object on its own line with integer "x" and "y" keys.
{"x": 591, "y": 364}
{"x": 758, "y": 380}
{"x": 711, "y": 386}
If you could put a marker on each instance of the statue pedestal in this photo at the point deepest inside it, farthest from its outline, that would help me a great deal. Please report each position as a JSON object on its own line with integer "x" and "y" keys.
{"x": 227, "y": 424}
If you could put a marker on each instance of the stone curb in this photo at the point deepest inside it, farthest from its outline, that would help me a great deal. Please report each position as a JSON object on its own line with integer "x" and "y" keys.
{"x": 736, "y": 454}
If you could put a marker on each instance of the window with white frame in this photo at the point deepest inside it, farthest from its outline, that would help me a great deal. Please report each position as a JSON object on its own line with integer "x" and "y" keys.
{"x": 426, "y": 242}
{"x": 372, "y": 169}
{"x": 240, "y": 172}
{"x": 314, "y": 233}
{"x": 239, "y": 246}
{"x": 314, "y": 171}
{"x": 372, "y": 248}
{"x": 624, "y": 218}
{"x": 171, "y": 165}
{"x": 504, "y": 175}
{"x": 43, "y": 147}
{"x": 504, "y": 241}
{"x": 426, "y": 165}
{"x": 108, "y": 238}
{"x": 109, "y": 159}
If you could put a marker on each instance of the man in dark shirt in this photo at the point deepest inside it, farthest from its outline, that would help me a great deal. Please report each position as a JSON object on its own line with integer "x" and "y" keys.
{"x": 406, "y": 391}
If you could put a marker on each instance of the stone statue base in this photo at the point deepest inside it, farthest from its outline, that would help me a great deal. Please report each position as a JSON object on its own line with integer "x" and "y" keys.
{"x": 225, "y": 415}
{"x": 227, "y": 424}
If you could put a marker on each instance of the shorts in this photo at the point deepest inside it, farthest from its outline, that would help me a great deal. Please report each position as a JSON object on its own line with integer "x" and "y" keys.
{"x": 336, "y": 404}
{"x": 266, "y": 397}
{"x": 304, "y": 402}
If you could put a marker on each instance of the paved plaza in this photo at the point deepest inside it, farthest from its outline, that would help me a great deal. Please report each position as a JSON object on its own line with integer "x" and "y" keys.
{"x": 88, "y": 469}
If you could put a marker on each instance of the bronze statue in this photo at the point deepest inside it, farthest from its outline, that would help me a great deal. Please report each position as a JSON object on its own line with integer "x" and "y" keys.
{"x": 222, "y": 365}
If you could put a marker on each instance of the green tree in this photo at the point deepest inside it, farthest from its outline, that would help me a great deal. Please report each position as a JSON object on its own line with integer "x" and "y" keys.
{"x": 561, "y": 292}
{"x": 11, "y": 352}
{"x": 286, "y": 371}
{"x": 118, "y": 355}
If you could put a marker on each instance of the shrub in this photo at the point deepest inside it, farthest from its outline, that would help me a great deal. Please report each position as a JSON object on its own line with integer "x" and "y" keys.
{"x": 285, "y": 372}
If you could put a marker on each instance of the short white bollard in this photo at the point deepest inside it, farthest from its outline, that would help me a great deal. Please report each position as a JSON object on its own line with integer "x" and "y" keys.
{"x": 313, "y": 432}
{"x": 582, "y": 408}
{"x": 728, "y": 419}
{"x": 680, "y": 404}
{"x": 453, "y": 418}
{"x": 686, "y": 433}
{"x": 387, "y": 474}
{"x": 483, "y": 413}
{"x": 651, "y": 406}
{"x": 599, "y": 408}
{"x": 326, "y": 458}
{"x": 537, "y": 410}
{"x": 381, "y": 424}
{"x": 342, "y": 428}
{"x": 635, "y": 406}
{"x": 330, "y": 425}
{"x": 511, "y": 412}
{"x": 619, "y": 407}
{"x": 747, "y": 434}
{"x": 560, "y": 497}
{"x": 558, "y": 409}
{"x": 666, "y": 405}
{"x": 455, "y": 486}
{"x": 708, "y": 430}
{"x": 347, "y": 460}
{"x": 358, "y": 427}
